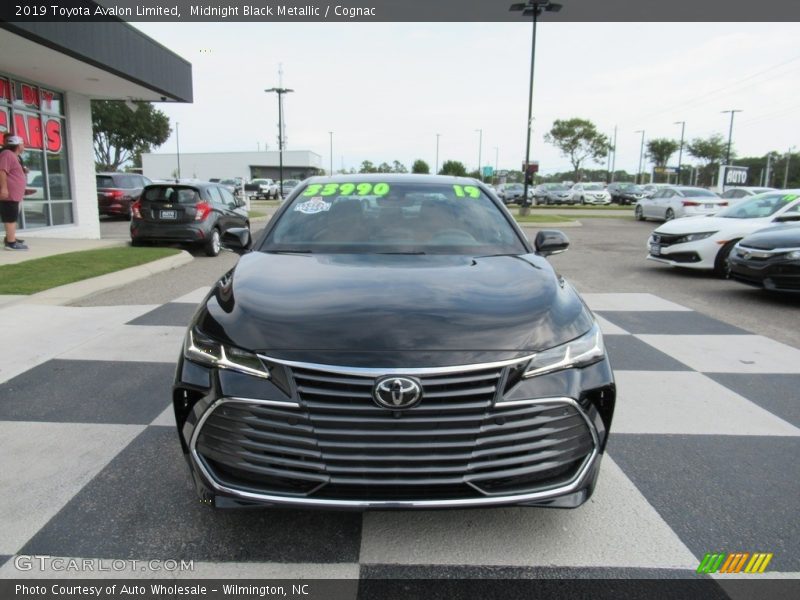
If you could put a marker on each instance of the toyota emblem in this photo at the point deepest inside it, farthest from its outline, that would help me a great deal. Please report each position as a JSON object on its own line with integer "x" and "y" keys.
{"x": 397, "y": 392}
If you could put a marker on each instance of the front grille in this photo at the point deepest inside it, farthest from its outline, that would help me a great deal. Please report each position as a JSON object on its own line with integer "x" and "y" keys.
{"x": 666, "y": 240}
{"x": 455, "y": 444}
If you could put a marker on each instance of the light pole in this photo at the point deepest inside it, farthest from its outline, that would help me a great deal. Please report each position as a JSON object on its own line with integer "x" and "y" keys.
{"x": 331, "y": 134}
{"x": 496, "y": 161}
{"x": 641, "y": 155}
{"x": 786, "y": 172}
{"x": 614, "y": 159}
{"x": 480, "y": 146}
{"x": 436, "y": 170}
{"x": 178, "y": 145}
{"x": 680, "y": 151}
{"x": 280, "y": 91}
{"x": 532, "y": 8}
{"x": 730, "y": 134}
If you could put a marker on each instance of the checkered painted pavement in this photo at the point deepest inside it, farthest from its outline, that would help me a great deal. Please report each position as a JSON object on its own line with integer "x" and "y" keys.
{"x": 702, "y": 458}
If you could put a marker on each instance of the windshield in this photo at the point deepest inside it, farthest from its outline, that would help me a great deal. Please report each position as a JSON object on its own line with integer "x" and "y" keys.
{"x": 405, "y": 218}
{"x": 763, "y": 205}
{"x": 593, "y": 187}
{"x": 556, "y": 187}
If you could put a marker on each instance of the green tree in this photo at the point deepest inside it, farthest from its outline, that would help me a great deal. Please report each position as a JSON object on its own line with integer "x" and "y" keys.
{"x": 398, "y": 167}
{"x": 659, "y": 150}
{"x": 420, "y": 166}
{"x": 578, "y": 140}
{"x": 453, "y": 167}
{"x": 121, "y": 134}
{"x": 384, "y": 167}
{"x": 710, "y": 151}
{"x": 367, "y": 167}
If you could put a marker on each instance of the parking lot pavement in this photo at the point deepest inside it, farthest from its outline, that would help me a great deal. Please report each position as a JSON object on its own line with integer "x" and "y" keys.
{"x": 702, "y": 458}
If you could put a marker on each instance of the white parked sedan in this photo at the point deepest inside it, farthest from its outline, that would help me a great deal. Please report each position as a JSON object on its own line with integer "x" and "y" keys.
{"x": 590, "y": 193}
{"x": 705, "y": 242}
{"x": 675, "y": 201}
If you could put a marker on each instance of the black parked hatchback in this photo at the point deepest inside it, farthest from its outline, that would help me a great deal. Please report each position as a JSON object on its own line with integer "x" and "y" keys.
{"x": 196, "y": 213}
{"x": 394, "y": 341}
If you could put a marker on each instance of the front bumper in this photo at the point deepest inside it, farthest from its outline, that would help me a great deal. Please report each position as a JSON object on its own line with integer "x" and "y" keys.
{"x": 699, "y": 254}
{"x": 180, "y": 233}
{"x": 313, "y": 438}
{"x": 773, "y": 274}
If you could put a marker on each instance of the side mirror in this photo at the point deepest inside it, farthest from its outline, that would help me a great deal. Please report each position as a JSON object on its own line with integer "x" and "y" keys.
{"x": 550, "y": 241}
{"x": 237, "y": 240}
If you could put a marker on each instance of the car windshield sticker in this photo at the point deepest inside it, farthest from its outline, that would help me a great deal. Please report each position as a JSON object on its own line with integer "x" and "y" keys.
{"x": 347, "y": 189}
{"x": 467, "y": 190}
{"x": 789, "y": 197}
{"x": 313, "y": 206}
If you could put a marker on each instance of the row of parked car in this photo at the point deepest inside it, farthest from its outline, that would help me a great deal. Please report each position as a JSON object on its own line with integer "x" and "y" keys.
{"x": 754, "y": 240}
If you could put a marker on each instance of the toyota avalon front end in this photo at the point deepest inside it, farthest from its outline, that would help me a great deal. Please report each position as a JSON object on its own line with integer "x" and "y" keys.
{"x": 394, "y": 342}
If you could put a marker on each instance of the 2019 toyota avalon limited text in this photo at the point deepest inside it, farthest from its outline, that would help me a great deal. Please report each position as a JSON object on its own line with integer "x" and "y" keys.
{"x": 393, "y": 341}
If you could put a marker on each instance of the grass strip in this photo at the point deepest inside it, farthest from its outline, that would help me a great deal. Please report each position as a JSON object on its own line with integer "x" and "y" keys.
{"x": 38, "y": 274}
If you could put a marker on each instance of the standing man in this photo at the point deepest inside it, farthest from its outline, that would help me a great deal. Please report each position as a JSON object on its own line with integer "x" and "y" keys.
{"x": 12, "y": 189}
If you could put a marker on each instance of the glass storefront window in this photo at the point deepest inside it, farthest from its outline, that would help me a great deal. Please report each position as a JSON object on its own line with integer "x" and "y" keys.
{"x": 62, "y": 213}
{"x": 58, "y": 175}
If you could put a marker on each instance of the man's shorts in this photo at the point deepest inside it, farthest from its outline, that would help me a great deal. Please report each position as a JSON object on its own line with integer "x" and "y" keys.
{"x": 9, "y": 211}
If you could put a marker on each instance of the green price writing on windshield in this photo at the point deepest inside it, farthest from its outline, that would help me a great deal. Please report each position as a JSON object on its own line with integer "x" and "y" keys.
{"x": 467, "y": 190}
{"x": 347, "y": 189}
{"x": 789, "y": 197}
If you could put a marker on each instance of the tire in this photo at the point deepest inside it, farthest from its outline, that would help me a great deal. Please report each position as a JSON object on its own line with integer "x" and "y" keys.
{"x": 669, "y": 215}
{"x": 137, "y": 243}
{"x": 583, "y": 201}
{"x": 212, "y": 245}
{"x": 638, "y": 214}
{"x": 722, "y": 267}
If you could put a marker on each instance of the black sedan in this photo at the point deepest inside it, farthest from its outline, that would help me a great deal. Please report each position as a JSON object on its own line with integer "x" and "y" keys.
{"x": 769, "y": 258}
{"x": 393, "y": 341}
{"x": 196, "y": 213}
{"x": 625, "y": 192}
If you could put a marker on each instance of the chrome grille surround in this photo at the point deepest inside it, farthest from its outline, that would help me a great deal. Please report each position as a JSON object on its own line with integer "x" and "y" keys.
{"x": 320, "y": 449}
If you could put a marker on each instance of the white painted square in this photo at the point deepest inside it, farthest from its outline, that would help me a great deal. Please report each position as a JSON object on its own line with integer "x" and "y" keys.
{"x": 195, "y": 297}
{"x": 132, "y": 343}
{"x": 43, "y": 465}
{"x": 632, "y": 302}
{"x": 35, "y": 334}
{"x": 616, "y": 528}
{"x": 165, "y": 419}
{"x": 728, "y": 353}
{"x": 669, "y": 402}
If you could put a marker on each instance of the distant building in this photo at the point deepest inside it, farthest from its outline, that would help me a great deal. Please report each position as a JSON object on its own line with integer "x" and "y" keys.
{"x": 49, "y": 73}
{"x": 297, "y": 164}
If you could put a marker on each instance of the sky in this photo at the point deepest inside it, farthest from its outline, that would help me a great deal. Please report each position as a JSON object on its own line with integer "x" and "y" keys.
{"x": 386, "y": 89}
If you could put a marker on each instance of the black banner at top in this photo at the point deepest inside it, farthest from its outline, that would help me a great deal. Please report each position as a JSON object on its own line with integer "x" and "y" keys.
{"x": 367, "y": 11}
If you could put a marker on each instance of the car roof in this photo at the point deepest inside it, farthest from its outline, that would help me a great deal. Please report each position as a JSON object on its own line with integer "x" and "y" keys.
{"x": 194, "y": 184}
{"x": 392, "y": 178}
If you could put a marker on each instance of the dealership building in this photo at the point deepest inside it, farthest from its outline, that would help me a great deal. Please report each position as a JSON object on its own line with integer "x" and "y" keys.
{"x": 297, "y": 164}
{"x": 49, "y": 73}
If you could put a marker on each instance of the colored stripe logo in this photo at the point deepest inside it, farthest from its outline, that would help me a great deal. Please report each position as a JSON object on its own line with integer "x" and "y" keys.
{"x": 735, "y": 562}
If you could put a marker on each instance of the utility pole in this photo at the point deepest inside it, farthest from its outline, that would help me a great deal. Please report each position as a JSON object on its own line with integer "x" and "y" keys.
{"x": 614, "y": 159}
{"x": 730, "y": 134}
{"x": 786, "y": 172}
{"x": 680, "y": 151}
{"x": 178, "y": 146}
{"x": 280, "y": 91}
{"x": 767, "y": 172}
{"x": 641, "y": 155}
{"x": 436, "y": 170}
{"x": 480, "y": 146}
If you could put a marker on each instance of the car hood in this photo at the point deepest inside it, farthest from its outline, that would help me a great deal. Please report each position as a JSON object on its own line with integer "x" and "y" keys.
{"x": 783, "y": 236}
{"x": 393, "y": 310}
{"x": 701, "y": 224}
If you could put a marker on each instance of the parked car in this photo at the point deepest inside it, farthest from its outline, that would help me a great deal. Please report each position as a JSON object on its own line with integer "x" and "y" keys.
{"x": 511, "y": 193}
{"x": 116, "y": 192}
{"x": 288, "y": 186}
{"x": 187, "y": 213}
{"x": 651, "y": 188}
{"x": 421, "y": 354}
{"x": 263, "y": 189}
{"x": 625, "y": 192}
{"x": 673, "y": 202}
{"x": 706, "y": 242}
{"x": 235, "y": 185}
{"x": 590, "y": 193}
{"x": 552, "y": 193}
{"x": 735, "y": 194}
{"x": 769, "y": 258}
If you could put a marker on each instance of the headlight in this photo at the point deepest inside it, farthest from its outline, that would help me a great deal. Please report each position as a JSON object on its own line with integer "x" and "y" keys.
{"x": 693, "y": 237}
{"x": 202, "y": 349}
{"x": 793, "y": 255}
{"x": 581, "y": 352}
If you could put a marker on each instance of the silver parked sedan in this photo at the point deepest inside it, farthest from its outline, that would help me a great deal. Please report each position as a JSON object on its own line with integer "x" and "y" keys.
{"x": 673, "y": 202}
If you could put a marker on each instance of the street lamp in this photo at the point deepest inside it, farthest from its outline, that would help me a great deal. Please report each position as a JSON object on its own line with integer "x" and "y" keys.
{"x": 641, "y": 155}
{"x": 480, "y": 146}
{"x": 436, "y": 170}
{"x": 730, "y": 134}
{"x": 532, "y": 8}
{"x": 280, "y": 91}
{"x": 331, "y": 134}
{"x": 178, "y": 146}
{"x": 786, "y": 172}
{"x": 496, "y": 161}
{"x": 680, "y": 152}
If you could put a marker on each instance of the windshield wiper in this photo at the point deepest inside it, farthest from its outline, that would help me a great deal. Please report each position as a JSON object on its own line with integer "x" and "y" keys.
{"x": 419, "y": 252}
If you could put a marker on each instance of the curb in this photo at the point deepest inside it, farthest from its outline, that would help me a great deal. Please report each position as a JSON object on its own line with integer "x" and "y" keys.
{"x": 65, "y": 294}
